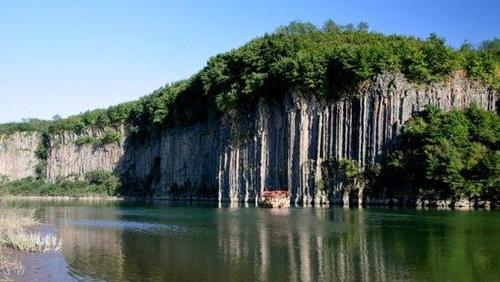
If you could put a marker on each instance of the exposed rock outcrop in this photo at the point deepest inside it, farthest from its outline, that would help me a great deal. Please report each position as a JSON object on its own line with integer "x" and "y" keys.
{"x": 280, "y": 145}
{"x": 18, "y": 155}
{"x": 67, "y": 158}
{"x": 289, "y": 140}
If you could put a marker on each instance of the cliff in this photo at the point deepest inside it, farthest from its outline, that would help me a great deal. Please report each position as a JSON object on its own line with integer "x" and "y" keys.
{"x": 18, "y": 155}
{"x": 280, "y": 145}
{"x": 283, "y": 143}
{"x": 67, "y": 158}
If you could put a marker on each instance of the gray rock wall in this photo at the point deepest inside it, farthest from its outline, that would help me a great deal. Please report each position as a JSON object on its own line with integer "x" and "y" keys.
{"x": 68, "y": 159}
{"x": 281, "y": 145}
{"x": 17, "y": 155}
{"x": 291, "y": 138}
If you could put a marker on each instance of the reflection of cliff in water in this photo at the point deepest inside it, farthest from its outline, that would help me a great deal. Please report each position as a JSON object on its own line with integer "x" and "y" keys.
{"x": 247, "y": 244}
{"x": 92, "y": 250}
{"x": 304, "y": 252}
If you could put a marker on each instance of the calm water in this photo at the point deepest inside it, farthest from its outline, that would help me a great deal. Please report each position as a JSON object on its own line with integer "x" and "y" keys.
{"x": 116, "y": 241}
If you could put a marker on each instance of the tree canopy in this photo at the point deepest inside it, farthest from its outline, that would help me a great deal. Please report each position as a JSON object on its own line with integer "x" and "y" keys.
{"x": 328, "y": 61}
{"x": 447, "y": 155}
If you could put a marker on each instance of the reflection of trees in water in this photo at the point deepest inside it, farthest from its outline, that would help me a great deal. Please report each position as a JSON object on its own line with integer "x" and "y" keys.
{"x": 248, "y": 244}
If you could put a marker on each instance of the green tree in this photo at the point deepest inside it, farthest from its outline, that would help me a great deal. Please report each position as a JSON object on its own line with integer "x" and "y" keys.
{"x": 447, "y": 155}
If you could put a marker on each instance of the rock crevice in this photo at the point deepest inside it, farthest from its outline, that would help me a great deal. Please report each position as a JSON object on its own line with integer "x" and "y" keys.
{"x": 281, "y": 145}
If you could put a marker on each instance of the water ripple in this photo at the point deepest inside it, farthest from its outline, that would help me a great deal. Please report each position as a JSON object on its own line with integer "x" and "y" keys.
{"x": 128, "y": 225}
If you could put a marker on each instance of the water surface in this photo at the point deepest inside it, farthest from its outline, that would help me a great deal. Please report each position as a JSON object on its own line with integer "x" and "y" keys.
{"x": 132, "y": 241}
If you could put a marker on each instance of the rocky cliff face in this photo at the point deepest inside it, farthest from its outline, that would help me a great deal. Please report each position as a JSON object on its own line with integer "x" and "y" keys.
{"x": 67, "y": 158}
{"x": 17, "y": 155}
{"x": 281, "y": 145}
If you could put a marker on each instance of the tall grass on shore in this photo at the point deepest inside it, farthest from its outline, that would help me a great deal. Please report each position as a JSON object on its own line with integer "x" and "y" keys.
{"x": 8, "y": 267}
{"x": 33, "y": 242}
{"x": 15, "y": 218}
{"x": 16, "y": 232}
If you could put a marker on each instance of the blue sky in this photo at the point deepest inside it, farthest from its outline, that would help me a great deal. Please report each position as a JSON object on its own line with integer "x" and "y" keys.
{"x": 64, "y": 57}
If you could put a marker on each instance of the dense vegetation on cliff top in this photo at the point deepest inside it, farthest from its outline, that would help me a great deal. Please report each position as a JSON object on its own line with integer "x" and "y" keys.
{"x": 329, "y": 62}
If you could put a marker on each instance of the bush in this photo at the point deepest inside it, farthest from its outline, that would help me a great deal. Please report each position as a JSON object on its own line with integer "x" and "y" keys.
{"x": 103, "y": 181}
{"x": 96, "y": 183}
{"x": 327, "y": 62}
{"x": 335, "y": 171}
{"x": 447, "y": 155}
{"x": 109, "y": 136}
{"x": 83, "y": 140}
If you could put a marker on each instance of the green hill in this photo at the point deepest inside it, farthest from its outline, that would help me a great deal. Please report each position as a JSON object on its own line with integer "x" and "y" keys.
{"x": 328, "y": 61}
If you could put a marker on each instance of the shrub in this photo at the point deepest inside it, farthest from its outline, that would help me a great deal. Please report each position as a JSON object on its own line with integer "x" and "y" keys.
{"x": 103, "y": 181}
{"x": 447, "y": 155}
{"x": 328, "y": 62}
{"x": 96, "y": 183}
{"x": 110, "y": 136}
{"x": 345, "y": 172}
{"x": 83, "y": 140}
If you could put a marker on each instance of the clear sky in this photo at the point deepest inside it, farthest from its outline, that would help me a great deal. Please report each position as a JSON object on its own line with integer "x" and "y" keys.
{"x": 64, "y": 57}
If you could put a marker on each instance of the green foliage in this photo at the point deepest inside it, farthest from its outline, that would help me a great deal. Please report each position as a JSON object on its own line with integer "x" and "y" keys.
{"x": 100, "y": 118}
{"x": 491, "y": 50}
{"x": 329, "y": 62}
{"x": 449, "y": 155}
{"x": 42, "y": 152}
{"x": 101, "y": 180}
{"x": 492, "y": 46}
{"x": 97, "y": 183}
{"x": 29, "y": 125}
{"x": 335, "y": 171}
{"x": 83, "y": 140}
{"x": 109, "y": 136}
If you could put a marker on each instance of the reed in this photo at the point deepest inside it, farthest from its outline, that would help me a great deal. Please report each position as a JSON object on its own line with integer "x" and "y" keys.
{"x": 30, "y": 241}
{"x": 9, "y": 267}
{"x": 16, "y": 233}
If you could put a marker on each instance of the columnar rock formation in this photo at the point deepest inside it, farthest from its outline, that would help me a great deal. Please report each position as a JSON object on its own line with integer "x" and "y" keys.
{"x": 68, "y": 159}
{"x": 285, "y": 142}
{"x": 18, "y": 155}
{"x": 281, "y": 145}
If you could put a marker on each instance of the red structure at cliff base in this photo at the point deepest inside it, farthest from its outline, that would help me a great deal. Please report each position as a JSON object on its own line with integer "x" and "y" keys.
{"x": 274, "y": 199}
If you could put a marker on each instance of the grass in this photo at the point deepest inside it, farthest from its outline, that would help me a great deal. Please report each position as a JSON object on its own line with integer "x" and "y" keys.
{"x": 15, "y": 218}
{"x": 33, "y": 242}
{"x": 16, "y": 234}
{"x": 8, "y": 267}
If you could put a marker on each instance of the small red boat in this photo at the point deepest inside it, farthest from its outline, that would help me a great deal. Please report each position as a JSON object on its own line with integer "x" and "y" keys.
{"x": 274, "y": 199}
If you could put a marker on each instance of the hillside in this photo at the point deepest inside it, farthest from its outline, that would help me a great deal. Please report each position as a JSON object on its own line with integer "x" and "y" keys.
{"x": 268, "y": 115}
{"x": 330, "y": 62}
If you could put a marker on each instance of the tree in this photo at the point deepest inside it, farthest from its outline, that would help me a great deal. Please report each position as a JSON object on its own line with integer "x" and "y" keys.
{"x": 345, "y": 174}
{"x": 362, "y": 26}
{"x": 330, "y": 27}
{"x": 296, "y": 28}
{"x": 448, "y": 155}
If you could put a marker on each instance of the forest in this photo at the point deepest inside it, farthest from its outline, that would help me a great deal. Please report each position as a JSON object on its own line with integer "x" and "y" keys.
{"x": 444, "y": 156}
{"x": 439, "y": 155}
{"x": 328, "y": 61}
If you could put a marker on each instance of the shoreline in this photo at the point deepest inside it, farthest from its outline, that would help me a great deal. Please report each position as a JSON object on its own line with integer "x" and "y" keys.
{"x": 39, "y": 266}
{"x": 30, "y": 248}
{"x": 390, "y": 203}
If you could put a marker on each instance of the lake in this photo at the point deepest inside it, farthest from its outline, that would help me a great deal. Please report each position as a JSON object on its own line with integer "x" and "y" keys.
{"x": 161, "y": 241}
